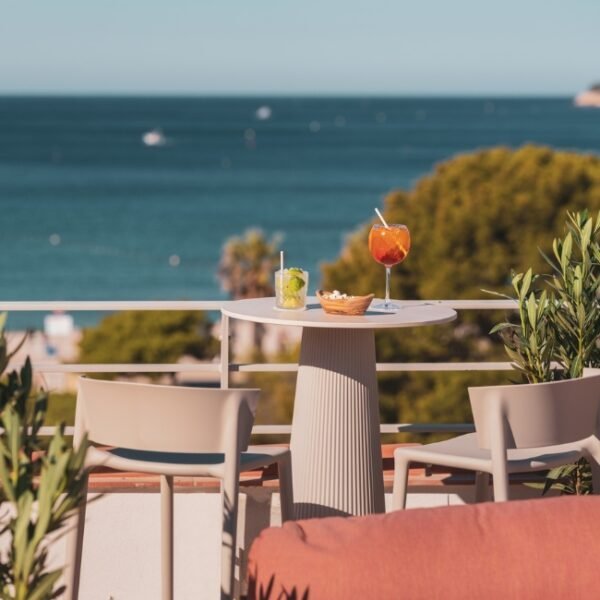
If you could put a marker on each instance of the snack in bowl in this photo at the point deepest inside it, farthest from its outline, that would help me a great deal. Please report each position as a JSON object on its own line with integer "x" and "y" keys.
{"x": 336, "y": 303}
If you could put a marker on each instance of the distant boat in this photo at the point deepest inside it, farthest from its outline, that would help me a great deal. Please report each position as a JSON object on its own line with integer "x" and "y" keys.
{"x": 263, "y": 113}
{"x": 590, "y": 97}
{"x": 154, "y": 137}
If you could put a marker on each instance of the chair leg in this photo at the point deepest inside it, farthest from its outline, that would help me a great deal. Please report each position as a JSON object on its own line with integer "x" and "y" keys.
{"x": 500, "y": 482}
{"x": 595, "y": 476}
{"x": 482, "y": 484}
{"x": 166, "y": 509}
{"x": 592, "y": 454}
{"x": 75, "y": 548}
{"x": 286, "y": 493}
{"x": 401, "y": 465}
{"x": 229, "y": 540}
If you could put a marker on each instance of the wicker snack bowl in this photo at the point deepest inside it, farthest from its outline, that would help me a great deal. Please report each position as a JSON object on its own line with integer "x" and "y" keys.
{"x": 350, "y": 305}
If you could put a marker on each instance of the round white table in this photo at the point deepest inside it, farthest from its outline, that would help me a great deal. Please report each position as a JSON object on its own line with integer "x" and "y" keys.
{"x": 335, "y": 442}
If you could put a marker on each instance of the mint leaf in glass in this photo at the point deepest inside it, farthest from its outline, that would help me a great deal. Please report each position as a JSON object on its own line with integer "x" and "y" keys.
{"x": 294, "y": 284}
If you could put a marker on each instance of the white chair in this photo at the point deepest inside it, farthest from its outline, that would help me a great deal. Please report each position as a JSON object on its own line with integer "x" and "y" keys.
{"x": 175, "y": 432}
{"x": 519, "y": 429}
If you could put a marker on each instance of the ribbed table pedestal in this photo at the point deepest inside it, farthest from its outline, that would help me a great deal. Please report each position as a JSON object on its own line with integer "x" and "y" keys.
{"x": 335, "y": 443}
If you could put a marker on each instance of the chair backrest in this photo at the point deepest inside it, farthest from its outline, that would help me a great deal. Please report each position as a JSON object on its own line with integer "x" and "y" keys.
{"x": 540, "y": 414}
{"x": 164, "y": 418}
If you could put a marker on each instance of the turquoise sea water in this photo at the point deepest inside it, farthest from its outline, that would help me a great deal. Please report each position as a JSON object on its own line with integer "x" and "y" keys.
{"x": 74, "y": 171}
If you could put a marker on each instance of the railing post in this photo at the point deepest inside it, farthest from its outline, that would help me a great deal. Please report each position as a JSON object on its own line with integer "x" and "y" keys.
{"x": 224, "y": 351}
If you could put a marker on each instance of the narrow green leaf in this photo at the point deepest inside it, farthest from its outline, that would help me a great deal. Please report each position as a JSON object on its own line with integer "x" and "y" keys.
{"x": 43, "y": 589}
{"x": 526, "y": 284}
{"x": 586, "y": 235}
{"x": 567, "y": 248}
{"x": 531, "y": 306}
{"x": 501, "y": 327}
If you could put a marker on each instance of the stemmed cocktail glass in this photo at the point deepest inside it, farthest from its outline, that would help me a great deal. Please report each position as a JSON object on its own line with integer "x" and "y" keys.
{"x": 389, "y": 245}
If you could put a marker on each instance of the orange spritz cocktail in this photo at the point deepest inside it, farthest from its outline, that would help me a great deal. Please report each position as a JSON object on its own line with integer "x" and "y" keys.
{"x": 389, "y": 245}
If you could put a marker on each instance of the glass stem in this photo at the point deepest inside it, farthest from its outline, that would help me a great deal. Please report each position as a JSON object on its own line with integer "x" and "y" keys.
{"x": 388, "y": 273}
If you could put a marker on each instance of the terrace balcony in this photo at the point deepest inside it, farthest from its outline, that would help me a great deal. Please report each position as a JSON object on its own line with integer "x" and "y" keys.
{"x": 122, "y": 543}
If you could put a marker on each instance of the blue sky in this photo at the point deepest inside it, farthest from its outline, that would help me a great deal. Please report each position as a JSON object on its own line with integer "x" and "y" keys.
{"x": 300, "y": 47}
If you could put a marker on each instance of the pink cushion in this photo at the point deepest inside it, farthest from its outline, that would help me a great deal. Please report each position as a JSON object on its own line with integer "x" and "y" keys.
{"x": 544, "y": 548}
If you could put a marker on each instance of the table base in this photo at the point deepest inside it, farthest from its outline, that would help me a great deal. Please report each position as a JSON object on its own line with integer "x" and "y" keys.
{"x": 335, "y": 442}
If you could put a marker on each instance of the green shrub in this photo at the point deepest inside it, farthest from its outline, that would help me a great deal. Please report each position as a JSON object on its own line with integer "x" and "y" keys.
{"x": 40, "y": 484}
{"x": 148, "y": 337}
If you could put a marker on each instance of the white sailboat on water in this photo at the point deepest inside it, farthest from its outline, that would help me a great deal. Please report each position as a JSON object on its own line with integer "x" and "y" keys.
{"x": 154, "y": 137}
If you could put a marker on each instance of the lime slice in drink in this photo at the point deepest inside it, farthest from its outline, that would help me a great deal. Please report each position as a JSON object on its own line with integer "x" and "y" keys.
{"x": 294, "y": 285}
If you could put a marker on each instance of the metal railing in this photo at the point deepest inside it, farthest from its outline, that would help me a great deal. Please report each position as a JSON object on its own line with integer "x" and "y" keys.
{"x": 224, "y": 367}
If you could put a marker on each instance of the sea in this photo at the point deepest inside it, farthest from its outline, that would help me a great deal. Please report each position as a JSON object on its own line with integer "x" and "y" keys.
{"x": 133, "y": 198}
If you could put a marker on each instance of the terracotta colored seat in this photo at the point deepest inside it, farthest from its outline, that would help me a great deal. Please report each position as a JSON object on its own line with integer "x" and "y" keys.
{"x": 533, "y": 549}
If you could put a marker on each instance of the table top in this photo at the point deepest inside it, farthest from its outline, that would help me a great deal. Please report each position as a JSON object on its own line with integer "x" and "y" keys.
{"x": 261, "y": 310}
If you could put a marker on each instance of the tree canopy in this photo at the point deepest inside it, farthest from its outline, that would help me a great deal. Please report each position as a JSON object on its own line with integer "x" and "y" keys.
{"x": 473, "y": 220}
{"x": 247, "y": 265}
{"x": 148, "y": 337}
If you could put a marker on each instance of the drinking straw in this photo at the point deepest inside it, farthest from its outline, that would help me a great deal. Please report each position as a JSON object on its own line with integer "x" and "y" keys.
{"x": 382, "y": 219}
{"x": 281, "y": 269}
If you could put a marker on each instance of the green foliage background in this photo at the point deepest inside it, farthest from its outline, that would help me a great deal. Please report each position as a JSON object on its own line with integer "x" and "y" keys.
{"x": 473, "y": 220}
{"x": 61, "y": 409}
{"x": 148, "y": 337}
{"x": 476, "y": 218}
{"x": 247, "y": 265}
{"x": 138, "y": 337}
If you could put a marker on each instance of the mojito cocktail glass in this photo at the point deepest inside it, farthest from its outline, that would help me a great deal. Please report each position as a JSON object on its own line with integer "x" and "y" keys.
{"x": 290, "y": 289}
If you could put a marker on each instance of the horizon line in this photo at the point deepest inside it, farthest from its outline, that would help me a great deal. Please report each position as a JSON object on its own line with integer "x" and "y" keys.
{"x": 324, "y": 95}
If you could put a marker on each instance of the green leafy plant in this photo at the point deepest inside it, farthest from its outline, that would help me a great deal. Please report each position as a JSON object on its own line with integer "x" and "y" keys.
{"x": 531, "y": 343}
{"x": 559, "y": 328}
{"x": 559, "y": 325}
{"x": 575, "y": 479}
{"x": 40, "y": 486}
{"x": 575, "y": 282}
